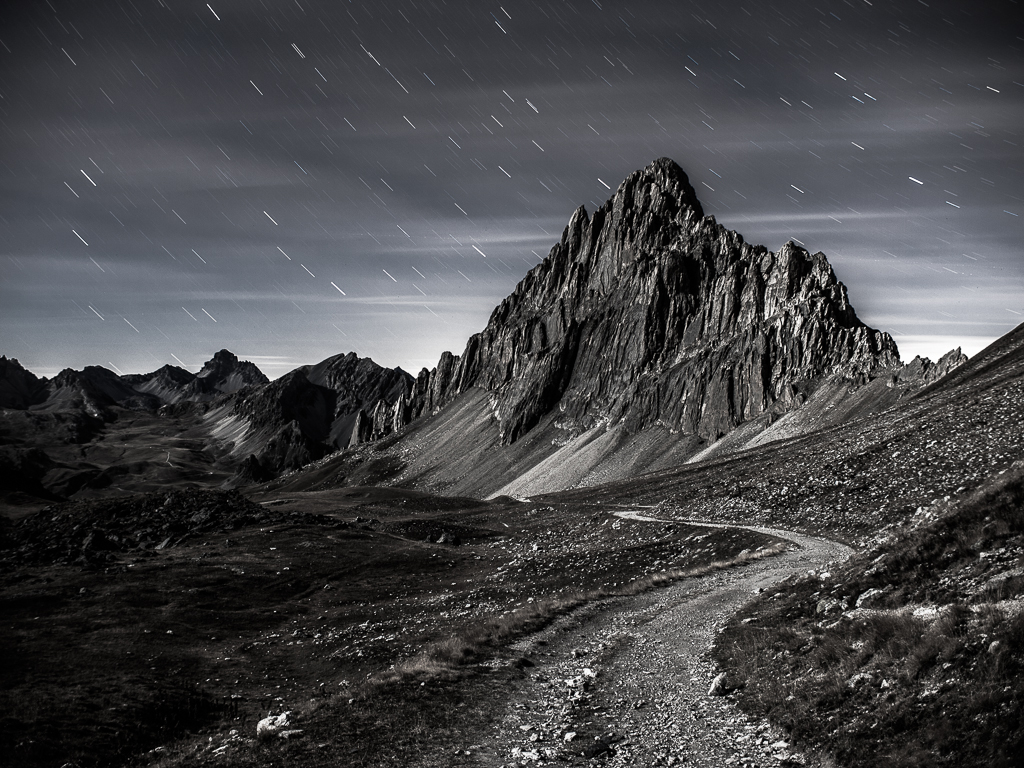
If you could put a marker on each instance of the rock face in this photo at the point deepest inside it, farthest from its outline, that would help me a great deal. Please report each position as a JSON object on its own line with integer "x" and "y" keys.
{"x": 649, "y": 313}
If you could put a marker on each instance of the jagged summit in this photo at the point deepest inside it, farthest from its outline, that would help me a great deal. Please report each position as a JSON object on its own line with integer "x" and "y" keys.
{"x": 226, "y": 373}
{"x": 649, "y": 312}
{"x": 224, "y": 360}
{"x": 665, "y": 174}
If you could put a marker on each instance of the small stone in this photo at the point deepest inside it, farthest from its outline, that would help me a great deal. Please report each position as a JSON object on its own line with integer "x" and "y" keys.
{"x": 718, "y": 686}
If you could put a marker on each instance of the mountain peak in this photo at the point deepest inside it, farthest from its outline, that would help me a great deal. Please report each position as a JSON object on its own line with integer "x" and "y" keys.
{"x": 221, "y": 361}
{"x": 226, "y": 373}
{"x": 667, "y": 175}
{"x": 649, "y": 313}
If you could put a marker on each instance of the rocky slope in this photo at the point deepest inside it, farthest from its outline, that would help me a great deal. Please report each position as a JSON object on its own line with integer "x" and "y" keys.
{"x": 853, "y": 480}
{"x": 911, "y": 652}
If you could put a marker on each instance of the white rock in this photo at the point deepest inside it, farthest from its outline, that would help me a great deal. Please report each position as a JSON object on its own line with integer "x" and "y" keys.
{"x": 718, "y": 686}
{"x": 272, "y": 726}
{"x": 869, "y": 596}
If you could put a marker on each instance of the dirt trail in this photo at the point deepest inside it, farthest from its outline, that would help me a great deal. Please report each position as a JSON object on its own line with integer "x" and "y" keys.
{"x": 627, "y": 680}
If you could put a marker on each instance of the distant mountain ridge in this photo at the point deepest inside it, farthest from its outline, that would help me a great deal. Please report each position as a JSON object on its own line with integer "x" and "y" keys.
{"x": 311, "y": 411}
{"x": 232, "y": 417}
{"x": 223, "y": 374}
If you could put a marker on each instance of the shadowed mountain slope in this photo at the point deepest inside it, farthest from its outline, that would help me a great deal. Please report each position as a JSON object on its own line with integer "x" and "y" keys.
{"x": 342, "y": 401}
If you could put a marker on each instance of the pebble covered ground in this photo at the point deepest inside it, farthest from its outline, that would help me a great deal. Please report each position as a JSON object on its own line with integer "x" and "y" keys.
{"x": 628, "y": 681}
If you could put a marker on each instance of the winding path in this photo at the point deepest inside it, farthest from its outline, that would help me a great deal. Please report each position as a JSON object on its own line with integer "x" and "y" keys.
{"x": 630, "y": 677}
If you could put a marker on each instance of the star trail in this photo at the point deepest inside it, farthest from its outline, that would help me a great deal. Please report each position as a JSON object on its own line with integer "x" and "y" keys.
{"x": 292, "y": 179}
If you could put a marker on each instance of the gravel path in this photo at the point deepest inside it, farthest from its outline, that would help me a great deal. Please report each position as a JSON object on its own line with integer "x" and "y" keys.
{"x": 626, "y": 682}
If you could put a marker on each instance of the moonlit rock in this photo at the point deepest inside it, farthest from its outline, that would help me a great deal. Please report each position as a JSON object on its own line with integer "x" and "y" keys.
{"x": 272, "y": 726}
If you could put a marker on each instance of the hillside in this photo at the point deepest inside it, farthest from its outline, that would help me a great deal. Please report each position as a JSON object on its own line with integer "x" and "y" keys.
{"x": 910, "y": 653}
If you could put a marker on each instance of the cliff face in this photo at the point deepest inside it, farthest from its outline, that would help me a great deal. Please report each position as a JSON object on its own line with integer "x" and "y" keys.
{"x": 649, "y": 313}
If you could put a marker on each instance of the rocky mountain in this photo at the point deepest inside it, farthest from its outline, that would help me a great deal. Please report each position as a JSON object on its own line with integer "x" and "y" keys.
{"x": 223, "y": 374}
{"x": 340, "y": 402}
{"x": 650, "y": 335}
{"x": 651, "y": 313}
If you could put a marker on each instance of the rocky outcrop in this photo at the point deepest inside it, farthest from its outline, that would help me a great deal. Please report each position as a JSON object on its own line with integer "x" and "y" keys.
{"x": 922, "y": 372}
{"x": 650, "y": 313}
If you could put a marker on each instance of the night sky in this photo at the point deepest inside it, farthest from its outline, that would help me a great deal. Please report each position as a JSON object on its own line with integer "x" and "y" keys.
{"x": 292, "y": 179}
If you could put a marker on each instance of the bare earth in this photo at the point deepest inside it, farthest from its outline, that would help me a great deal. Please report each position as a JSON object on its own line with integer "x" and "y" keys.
{"x": 627, "y": 681}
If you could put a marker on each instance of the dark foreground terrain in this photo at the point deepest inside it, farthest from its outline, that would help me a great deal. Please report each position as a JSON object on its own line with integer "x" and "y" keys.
{"x": 158, "y": 629}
